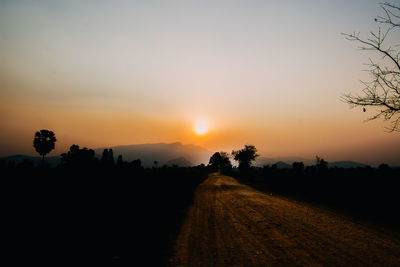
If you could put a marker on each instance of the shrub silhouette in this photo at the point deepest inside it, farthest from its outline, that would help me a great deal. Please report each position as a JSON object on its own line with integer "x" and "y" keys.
{"x": 44, "y": 142}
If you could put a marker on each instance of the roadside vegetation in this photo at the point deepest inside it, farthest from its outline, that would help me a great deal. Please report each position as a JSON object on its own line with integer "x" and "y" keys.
{"x": 365, "y": 193}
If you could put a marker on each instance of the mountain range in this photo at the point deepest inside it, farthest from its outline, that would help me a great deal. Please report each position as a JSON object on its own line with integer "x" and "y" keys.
{"x": 286, "y": 162}
{"x": 261, "y": 161}
{"x": 164, "y": 153}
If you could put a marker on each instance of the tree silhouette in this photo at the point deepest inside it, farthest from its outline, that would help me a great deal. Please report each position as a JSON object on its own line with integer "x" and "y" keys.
{"x": 321, "y": 163}
{"x": 245, "y": 156}
{"x": 44, "y": 142}
{"x": 120, "y": 162}
{"x": 107, "y": 158}
{"x": 136, "y": 164}
{"x": 215, "y": 161}
{"x": 78, "y": 158}
{"x": 298, "y": 166}
{"x": 383, "y": 90}
{"x": 219, "y": 161}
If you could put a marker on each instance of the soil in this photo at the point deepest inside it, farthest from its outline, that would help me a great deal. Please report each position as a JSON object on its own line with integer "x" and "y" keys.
{"x": 231, "y": 224}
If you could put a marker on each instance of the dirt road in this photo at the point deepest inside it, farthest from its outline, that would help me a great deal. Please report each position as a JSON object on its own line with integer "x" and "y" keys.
{"x": 231, "y": 224}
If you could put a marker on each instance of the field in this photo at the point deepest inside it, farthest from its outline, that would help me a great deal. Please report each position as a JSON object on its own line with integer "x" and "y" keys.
{"x": 94, "y": 216}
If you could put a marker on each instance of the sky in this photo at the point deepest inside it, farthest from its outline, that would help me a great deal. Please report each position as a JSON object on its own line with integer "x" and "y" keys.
{"x": 268, "y": 73}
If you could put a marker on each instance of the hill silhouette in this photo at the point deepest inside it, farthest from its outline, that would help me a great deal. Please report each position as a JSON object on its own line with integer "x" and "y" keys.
{"x": 286, "y": 162}
{"x": 181, "y": 162}
{"x": 346, "y": 164}
{"x": 283, "y": 165}
{"x": 261, "y": 161}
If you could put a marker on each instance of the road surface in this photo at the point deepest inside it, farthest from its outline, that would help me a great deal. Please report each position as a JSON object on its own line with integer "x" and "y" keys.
{"x": 231, "y": 224}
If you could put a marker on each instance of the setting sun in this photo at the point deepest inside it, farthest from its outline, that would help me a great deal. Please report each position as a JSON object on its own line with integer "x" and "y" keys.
{"x": 200, "y": 128}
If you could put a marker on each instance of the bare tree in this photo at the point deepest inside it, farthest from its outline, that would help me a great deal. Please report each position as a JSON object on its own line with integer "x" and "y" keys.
{"x": 383, "y": 90}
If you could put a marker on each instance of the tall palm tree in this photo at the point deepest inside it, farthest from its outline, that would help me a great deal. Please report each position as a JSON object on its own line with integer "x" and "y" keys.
{"x": 43, "y": 142}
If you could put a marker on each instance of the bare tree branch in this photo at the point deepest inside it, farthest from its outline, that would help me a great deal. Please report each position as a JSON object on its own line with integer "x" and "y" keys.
{"x": 382, "y": 92}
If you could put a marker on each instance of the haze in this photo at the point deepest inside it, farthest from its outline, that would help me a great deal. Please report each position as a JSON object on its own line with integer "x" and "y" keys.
{"x": 268, "y": 73}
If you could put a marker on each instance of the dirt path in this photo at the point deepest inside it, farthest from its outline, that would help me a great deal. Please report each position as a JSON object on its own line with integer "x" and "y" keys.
{"x": 231, "y": 224}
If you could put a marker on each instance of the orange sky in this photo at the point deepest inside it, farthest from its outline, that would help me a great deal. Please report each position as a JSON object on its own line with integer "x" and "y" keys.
{"x": 126, "y": 73}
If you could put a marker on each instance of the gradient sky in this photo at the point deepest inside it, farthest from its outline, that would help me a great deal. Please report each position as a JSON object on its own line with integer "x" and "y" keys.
{"x": 268, "y": 73}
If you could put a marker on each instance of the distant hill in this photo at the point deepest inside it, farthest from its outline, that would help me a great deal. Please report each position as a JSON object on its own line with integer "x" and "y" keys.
{"x": 261, "y": 161}
{"x": 283, "y": 165}
{"x": 181, "y": 162}
{"x": 286, "y": 162}
{"x": 164, "y": 153}
{"x": 346, "y": 164}
{"x": 53, "y": 161}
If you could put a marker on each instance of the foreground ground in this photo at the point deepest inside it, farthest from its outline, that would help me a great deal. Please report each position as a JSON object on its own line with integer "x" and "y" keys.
{"x": 231, "y": 224}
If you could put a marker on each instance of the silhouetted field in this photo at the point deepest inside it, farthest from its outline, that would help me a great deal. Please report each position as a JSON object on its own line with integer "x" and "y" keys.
{"x": 95, "y": 215}
{"x": 369, "y": 194}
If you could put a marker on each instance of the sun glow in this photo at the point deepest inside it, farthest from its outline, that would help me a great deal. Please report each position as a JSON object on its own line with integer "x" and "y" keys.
{"x": 200, "y": 128}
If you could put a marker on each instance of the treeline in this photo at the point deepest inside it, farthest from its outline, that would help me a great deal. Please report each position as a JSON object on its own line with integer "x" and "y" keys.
{"x": 367, "y": 193}
{"x": 94, "y": 211}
